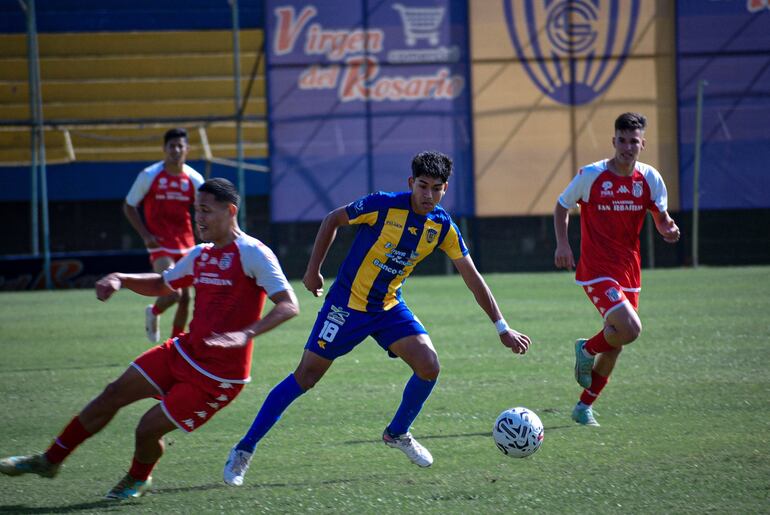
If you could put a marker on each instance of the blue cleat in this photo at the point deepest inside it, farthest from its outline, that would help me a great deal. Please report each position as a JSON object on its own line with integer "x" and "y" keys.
{"x": 32, "y": 464}
{"x": 584, "y": 416}
{"x": 583, "y": 364}
{"x": 129, "y": 488}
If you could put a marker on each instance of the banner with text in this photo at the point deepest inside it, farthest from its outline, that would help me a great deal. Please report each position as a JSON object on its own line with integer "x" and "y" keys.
{"x": 355, "y": 89}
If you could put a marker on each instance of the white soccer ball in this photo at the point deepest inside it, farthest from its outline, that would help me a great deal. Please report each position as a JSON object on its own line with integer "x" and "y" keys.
{"x": 518, "y": 432}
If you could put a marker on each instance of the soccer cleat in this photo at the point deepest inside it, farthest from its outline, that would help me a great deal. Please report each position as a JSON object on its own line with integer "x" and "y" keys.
{"x": 236, "y": 466}
{"x": 32, "y": 464}
{"x": 584, "y": 416}
{"x": 151, "y": 324}
{"x": 583, "y": 364}
{"x": 129, "y": 488}
{"x": 418, "y": 454}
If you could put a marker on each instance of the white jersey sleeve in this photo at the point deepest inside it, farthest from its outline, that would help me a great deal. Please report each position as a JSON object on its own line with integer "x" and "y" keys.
{"x": 580, "y": 186}
{"x": 142, "y": 184}
{"x": 658, "y": 192}
{"x": 185, "y": 267}
{"x": 196, "y": 178}
{"x": 260, "y": 263}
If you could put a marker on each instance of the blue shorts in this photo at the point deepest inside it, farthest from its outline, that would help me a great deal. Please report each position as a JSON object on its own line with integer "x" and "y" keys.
{"x": 338, "y": 329}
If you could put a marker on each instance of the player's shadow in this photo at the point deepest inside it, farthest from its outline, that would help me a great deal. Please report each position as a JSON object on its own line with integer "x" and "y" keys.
{"x": 100, "y": 506}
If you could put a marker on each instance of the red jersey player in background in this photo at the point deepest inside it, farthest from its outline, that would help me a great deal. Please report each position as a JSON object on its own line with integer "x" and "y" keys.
{"x": 166, "y": 191}
{"x": 197, "y": 374}
{"x": 614, "y": 196}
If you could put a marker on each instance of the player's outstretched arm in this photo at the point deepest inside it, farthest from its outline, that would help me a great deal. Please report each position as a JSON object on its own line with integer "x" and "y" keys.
{"x": 666, "y": 226}
{"x": 327, "y": 232}
{"x": 514, "y": 340}
{"x": 563, "y": 257}
{"x": 286, "y": 307}
{"x": 150, "y": 285}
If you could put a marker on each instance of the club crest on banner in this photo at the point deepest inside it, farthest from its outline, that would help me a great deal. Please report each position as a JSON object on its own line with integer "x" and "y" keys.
{"x": 572, "y": 50}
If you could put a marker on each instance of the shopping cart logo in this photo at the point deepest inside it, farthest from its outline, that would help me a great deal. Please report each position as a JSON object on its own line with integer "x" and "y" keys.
{"x": 572, "y": 50}
{"x": 420, "y": 23}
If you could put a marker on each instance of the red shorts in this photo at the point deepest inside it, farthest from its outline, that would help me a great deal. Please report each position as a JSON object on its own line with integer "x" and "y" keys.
{"x": 607, "y": 295}
{"x": 157, "y": 254}
{"x": 188, "y": 398}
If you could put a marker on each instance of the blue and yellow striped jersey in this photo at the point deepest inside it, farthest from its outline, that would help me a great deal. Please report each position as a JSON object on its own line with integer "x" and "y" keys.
{"x": 392, "y": 239}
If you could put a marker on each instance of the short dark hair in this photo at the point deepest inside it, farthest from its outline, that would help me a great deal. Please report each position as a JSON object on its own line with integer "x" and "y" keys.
{"x": 630, "y": 122}
{"x": 177, "y": 132}
{"x": 433, "y": 164}
{"x": 222, "y": 189}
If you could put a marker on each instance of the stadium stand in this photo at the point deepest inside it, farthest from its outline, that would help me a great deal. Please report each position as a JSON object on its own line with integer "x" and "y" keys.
{"x": 109, "y": 95}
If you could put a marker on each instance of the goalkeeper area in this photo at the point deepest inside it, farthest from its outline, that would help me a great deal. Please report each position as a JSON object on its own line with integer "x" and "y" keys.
{"x": 685, "y": 426}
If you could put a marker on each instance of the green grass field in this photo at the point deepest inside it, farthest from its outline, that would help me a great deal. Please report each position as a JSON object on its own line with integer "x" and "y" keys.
{"x": 685, "y": 419}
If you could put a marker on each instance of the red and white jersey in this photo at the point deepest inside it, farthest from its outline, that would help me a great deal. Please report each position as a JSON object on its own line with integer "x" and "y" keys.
{"x": 231, "y": 284}
{"x": 167, "y": 200}
{"x": 612, "y": 211}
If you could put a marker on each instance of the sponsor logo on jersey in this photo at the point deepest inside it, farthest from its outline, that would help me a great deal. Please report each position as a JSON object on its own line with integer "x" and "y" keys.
{"x": 637, "y": 189}
{"x": 394, "y": 224}
{"x": 163, "y": 183}
{"x": 413, "y": 231}
{"x": 189, "y": 423}
{"x": 174, "y": 184}
{"x": 202, "y": 414}
{"x": 431, "y": 235}
{"x": 622, "y": 189}
{"x": 204, "y": 257}
{"x": 321, "y": 344}
{"x": 337, "y": 315}
{"x": 607, "y": 189}
{"x": 358, "y": 206}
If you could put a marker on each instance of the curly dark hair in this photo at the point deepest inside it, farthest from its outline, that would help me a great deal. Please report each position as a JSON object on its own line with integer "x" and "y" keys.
{"x": 433, "y": 164}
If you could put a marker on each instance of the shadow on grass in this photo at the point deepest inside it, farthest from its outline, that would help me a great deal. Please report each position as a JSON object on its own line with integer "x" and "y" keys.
{"x": 100, "y": 506}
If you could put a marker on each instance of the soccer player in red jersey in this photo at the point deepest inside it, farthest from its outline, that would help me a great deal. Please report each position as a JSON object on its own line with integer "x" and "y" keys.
{"x": 166, "y": 191}
{"x": 197, "y": 374}
{"x": 614, "y": 196}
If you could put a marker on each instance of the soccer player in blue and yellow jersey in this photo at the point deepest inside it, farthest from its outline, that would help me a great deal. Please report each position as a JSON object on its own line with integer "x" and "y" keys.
{"x": 397, "y": 231}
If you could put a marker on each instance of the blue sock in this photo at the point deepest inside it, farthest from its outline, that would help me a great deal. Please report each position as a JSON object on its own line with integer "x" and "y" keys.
{"x": 416, "y": 392}
{"x": 279, "y": 398}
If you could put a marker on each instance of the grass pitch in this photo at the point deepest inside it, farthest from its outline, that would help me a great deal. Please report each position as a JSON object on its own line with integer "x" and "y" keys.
{"x": 685, "y": 418}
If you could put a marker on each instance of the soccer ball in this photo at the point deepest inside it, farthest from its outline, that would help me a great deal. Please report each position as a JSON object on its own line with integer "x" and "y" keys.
{"x": 518, "y": 432}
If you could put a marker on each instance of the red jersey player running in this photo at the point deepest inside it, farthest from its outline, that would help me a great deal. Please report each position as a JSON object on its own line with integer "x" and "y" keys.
{"x": 166, "y": 191}
{"x": 194, "y": 375}
{"x": 614, "y": 196}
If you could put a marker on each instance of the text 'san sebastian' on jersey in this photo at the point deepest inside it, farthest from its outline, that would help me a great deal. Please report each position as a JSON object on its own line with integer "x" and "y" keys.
{"x": 231, "y": 284}
{"x": 612, "y": 212}
{"x": 391, "y": 240}
{"x": 167, "y": 200}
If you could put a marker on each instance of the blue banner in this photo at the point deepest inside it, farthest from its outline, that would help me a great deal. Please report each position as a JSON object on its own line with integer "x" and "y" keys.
{"x": 727, "y": 44}
{"x": 355, "y": 89}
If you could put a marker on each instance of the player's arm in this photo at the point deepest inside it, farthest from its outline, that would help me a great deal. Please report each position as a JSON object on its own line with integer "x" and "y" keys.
{"x": 666, "y": 226}
{"x": 150, "y": 285}
{"x": 135, "y": 219}
{"x": 563, "y": 257}
{"x": 313, "y": 280}
{"x": 285, "y": 307}
{"x": 517, "y": 342}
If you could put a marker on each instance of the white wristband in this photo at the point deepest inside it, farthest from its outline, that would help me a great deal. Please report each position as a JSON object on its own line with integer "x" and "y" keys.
{"x": 501, "y": 326}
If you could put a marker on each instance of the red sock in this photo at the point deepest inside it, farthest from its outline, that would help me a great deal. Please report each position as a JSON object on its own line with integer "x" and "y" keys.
{"x": 155, "y": 310}
{"x": 597, "y": 385}
{"x": 597, "y": 344}
{"x": 140, "y": 471}
{"x": 176, "y": 331}
{"x": 72, "y": 436}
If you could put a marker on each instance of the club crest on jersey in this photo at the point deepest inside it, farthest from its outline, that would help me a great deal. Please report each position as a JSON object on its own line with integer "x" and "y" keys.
{"x": 572, "y": 50}
{"x": 613, "y": 294}
{"x": 226, "y": 260}
{"x": 637, "y": 189}
{"x": 184, "y": 184}
{"x": 430, "y": 235}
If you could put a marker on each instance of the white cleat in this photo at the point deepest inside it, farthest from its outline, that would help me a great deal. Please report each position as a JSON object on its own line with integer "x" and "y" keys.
{"x": 236, "y": 467}
{"x": 418, "y": 454}
{"x": 151, "y": 325}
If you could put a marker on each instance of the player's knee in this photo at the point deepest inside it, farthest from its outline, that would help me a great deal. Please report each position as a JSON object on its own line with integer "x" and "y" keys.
{"x": 428, "y": 369}
{"x": 110, "y": 398}
{"x": 631, "y": 331}
{"x": 306, "y": 379}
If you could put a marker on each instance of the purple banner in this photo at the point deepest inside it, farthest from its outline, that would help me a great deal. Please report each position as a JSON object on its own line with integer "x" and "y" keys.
{"x": 726, "y": 44}
{"x": 355, "y": 90}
